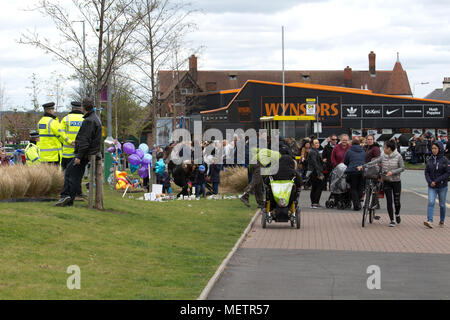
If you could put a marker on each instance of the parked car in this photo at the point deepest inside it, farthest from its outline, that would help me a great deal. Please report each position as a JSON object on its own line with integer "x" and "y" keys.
{"x": 9, "y": 151}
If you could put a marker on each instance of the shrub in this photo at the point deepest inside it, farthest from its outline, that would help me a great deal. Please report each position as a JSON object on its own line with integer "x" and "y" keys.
{"x": 234, "y": 179}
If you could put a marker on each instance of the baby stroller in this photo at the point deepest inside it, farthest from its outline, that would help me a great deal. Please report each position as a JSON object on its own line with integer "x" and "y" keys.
{"x": 285, "y": 208}
{"x": 339, "y": 188}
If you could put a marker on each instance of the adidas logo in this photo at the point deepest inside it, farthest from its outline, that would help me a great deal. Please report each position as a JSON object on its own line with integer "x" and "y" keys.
{"x": 351, "y": 111}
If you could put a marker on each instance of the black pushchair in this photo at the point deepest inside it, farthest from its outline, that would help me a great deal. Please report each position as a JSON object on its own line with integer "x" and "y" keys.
{"x": 340, "y": 197}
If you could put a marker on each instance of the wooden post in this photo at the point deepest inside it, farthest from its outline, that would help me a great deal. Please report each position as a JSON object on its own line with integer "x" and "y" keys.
{"x": 98, "y": 183}
{"x": 91, "y": 181}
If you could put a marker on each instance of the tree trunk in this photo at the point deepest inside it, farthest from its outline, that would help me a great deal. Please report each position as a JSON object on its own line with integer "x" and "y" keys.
{"x": 91, "y": 181}
{"x": 98, "y": 183}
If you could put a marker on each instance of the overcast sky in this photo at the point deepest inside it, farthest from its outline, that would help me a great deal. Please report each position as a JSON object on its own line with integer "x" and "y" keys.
{"x": 246, "y": 35}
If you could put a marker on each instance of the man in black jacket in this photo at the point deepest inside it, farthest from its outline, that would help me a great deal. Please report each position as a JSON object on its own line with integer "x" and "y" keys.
{"x": 87, "y": 143}
{"x": 326, "y": 156}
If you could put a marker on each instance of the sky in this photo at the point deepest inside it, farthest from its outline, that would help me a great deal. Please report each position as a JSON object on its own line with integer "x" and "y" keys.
{"x": 246, "y": 35}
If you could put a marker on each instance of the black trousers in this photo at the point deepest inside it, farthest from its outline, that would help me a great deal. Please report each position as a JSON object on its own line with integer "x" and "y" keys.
{"x": 255, "y": 185}
{"x": 316, "y": 190}
{"x": 356, "y": 188}
{"x": 72, "y": 179}
{"x": 392, "y": 191}
{"x": 65, "y": 162}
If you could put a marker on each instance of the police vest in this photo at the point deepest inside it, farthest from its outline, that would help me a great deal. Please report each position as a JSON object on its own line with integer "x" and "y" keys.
{"x": 70, "y": 125}
{"x": 50, "y": 139}
{"x": 32, "y": 154}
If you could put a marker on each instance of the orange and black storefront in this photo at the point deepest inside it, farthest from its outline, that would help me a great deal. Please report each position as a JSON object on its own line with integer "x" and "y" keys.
{"x": 338, "y": 109}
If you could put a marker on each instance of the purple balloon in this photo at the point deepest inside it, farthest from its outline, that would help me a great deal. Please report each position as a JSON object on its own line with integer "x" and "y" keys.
{"x": 134, "y": 160}
{"x": 140, "y": 153}
{"x": 118, "y": 145}
{"x": 111, "y": 149}
{"x": 143, "y": 172}
{"x": 129, "y": 148}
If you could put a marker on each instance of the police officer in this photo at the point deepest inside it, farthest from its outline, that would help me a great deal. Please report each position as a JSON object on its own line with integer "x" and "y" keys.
{"x": 88, "y": 142}
{"x": 50, "y": 136}
{"x": 32, "y": 151}
{"x": 70, "y": 125}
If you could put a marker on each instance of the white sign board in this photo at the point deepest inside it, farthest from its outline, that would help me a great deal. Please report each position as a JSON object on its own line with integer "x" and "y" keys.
{"x": 317, "y": 127}
{"x": 157, "y": 188}
{"x": 387, "y": 131}
{"x": 372, "y": 132}
{"x": 417, "y": 132}
{"x": 431, "y": 131}
{"x": 442, "y": 132}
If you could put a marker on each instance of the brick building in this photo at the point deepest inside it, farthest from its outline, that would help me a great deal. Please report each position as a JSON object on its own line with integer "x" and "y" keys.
{"x": 191, "y": 91}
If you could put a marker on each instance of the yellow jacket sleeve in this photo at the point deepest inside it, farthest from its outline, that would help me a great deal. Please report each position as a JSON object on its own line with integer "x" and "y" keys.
{"x": 59, "y": 132}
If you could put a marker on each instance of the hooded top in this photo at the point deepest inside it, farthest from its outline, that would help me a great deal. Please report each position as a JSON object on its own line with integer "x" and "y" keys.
{"x": 437, "y": 168}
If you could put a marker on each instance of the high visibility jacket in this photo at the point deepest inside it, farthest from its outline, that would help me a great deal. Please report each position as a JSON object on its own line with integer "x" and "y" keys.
{"x": 51, "y": 139}
{"x": 32, "y": 154}
{"x": 70, "y": 125}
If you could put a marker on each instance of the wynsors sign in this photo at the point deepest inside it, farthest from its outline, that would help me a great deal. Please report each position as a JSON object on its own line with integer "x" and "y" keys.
{"x": 328, "y": 109}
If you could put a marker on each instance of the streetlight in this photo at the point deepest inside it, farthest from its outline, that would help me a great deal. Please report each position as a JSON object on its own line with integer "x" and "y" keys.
{"x": 414, "y": 88}
{"x": 84, "y": 58}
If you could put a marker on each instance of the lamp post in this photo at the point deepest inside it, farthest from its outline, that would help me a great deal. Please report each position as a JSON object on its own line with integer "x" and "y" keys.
{"x": 414, "y": 87}
{"x": 83, "y": 93}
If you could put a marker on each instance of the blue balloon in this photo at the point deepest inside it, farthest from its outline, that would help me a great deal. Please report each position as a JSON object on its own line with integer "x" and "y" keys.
{"x": 133, "y": 168}
{"x": 147, "y": 159}
{"x": 143, "y": 147}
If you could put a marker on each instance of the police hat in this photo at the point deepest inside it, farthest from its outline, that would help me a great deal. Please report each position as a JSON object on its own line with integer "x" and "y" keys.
{"x": 75, "y": 105}
{"x": 34, "y": 134}
{"x": 49, "y": 105}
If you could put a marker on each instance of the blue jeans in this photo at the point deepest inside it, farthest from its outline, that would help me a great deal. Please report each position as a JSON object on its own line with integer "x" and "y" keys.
{"x": 432, "y": 194}
{"x": 215, "y": 186}
{"x": 200, "y": 188}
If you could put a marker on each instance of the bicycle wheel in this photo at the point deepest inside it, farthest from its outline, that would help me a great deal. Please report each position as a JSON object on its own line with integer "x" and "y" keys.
{"x": 366, "y": 206}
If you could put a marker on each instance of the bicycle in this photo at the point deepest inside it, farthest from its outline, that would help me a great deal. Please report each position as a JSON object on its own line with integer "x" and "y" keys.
{"x": 370, "y": 199}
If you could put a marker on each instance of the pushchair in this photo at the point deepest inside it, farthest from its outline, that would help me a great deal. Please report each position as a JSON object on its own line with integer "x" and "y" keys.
{"x": 280, "y": 203}
{"x": 339, "y": 189}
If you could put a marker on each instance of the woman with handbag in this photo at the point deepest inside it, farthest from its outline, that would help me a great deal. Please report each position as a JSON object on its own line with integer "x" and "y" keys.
{"x": 354, "y": 158}
{"x": 392, "y": 164}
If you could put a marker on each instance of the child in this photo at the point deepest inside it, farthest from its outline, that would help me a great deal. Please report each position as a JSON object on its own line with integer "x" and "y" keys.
{"x": 199, "y": 181}
{"x": 160, "y": 167}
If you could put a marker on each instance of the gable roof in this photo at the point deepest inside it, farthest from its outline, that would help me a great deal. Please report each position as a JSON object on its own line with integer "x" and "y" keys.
{"x": 385, "y": 82}
{"x": 439, "y": 94}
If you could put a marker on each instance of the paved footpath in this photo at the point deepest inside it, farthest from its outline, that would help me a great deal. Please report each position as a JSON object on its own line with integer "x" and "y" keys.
{"x": 328, "y": 258}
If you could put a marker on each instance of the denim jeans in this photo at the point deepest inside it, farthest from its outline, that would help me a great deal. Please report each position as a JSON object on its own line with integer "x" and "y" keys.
{"x": 432, "y": 194}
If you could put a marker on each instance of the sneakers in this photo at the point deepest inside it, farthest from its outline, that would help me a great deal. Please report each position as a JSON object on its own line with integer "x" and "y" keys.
{"x": 315, "y": 206}
{"x": 392, "y": 224}
{"x": 63, "y": 202}
{"x": 244, "y": 200}
{"x": 441, "y": 224}
{"x": 428, "y": 224}
{"x": 397, "y": 218}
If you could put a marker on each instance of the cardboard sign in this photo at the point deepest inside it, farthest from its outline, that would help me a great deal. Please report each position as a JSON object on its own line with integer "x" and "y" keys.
{"x": 157, "y": 188}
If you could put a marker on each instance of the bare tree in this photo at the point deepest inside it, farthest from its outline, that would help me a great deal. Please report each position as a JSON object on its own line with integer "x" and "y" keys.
{"x": 35, "y": 91}
{"x": 162, "y": 31}
{"x": 54, "y": 86}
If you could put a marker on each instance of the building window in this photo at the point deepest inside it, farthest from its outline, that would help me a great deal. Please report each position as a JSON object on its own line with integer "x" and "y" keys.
{"x": 305, "y": 76}
{"x": 185, "y": 91}
{"x": 232, "y": 77}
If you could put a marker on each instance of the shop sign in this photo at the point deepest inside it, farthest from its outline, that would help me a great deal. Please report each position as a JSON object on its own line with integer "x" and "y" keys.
{"x": 433, "y": 111}
{"x": 372, "y": 111}
{"x": 352, "y": 111}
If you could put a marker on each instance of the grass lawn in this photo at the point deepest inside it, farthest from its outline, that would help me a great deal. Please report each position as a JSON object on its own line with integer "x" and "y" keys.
{"x": 132, "y": 250}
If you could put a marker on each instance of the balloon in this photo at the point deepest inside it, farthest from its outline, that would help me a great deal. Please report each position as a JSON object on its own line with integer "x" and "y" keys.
{"x": 111, "y": 149}
{"x": 147, "y": 159}
{"x": 143, "y": 147}
{"x": 129, "y": 148}
{"x": 140, "y": 153}
{"x": 133, "y": 168}
{"x": 143, "y": 172}
{"x": 118, "y": 145}
{"x": 134, "y": 159}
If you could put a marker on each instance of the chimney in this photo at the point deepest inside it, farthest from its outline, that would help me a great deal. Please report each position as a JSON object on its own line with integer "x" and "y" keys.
{"x": 193, "y": 67}
{"x": 372, "y": 64}
{"x": 446, "y": 83}
{"x": 348, "y": 77}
